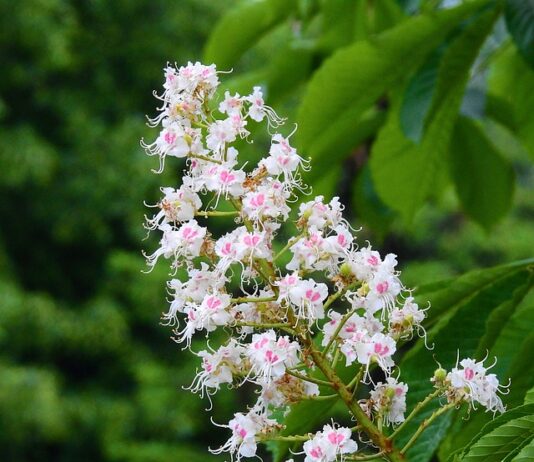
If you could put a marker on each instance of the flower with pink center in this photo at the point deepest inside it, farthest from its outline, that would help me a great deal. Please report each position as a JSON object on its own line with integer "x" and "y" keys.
{"x": 251, "y": 245}
{"x": 330, "y": 445}
{"x": 366, "y": 349}
{"x": 244, "y": 428}
{"x": 177, "y": 205}
{"x": 218, "y": 367}
{"x": 231, "y": 104}
{"x": 472, "y": 384}
{"x": 354, "y": 325}
{"x": 389, "y": 400}
{"x": 308, "y": 298}
{"x": 319, "y": 215}
{"x": 384, "y": 288}
{"x": 214, "y": 311}
{"x": 184, "y": 242}
{"x": 224, "y": 180}
{"x": 270, "y": 356}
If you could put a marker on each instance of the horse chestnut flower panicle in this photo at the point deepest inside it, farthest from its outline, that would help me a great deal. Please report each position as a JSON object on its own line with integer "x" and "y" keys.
{"x": 267, "y": 324}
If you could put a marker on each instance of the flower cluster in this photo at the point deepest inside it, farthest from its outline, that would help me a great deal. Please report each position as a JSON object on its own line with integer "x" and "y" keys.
{"x": 469, "y": 382}
{"x": 270, "y": 321}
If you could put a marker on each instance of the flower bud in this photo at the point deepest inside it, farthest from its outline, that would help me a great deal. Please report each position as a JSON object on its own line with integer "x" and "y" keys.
{"x": 439, "y": 376}
{"x": 345, "y": 270}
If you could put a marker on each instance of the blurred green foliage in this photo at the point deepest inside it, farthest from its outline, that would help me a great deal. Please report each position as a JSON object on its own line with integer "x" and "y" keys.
{"x": 86, "y": 372}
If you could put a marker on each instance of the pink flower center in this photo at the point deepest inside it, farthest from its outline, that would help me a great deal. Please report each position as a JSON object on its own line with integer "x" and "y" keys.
{"x": 382, "y": 287}
{"x": 335, "y": 438}
{"x": 316, "y": 453}
{"x": 258, "y": 200}
{"x": 169, "y": 137}
{"x": 251, "y": 241}
{"x": 312, "y": 296}
{"x": 469, "y": 373}
{"x": 261, "y": 343}
{"x": 213, "y": 303}
{"x": 372, "y": 260}
{"x": 226, "y": 177}
{"x": 381, "y": 350}
{"x": 270, "y": 356}
{"x": 189, "y": 233}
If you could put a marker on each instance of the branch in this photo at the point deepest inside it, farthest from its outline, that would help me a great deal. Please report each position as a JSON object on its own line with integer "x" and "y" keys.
{"x": 425, "y": 424}
{"x": 415, "y": 411}
{"x": 309, "y": 379}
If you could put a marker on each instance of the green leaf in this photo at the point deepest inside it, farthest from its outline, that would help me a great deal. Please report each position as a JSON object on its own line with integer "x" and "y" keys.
{"x": 242, "y": 26}
{"x": 396, "y": 161}
{"x": 496, "y": 445}
{"x": 529, "y": 397}
{"x": 367, "y": 206}
{"x": 447, "y": 296}
{"x": 288, "y": 68}
{"x": 349, "y": 134}
{"x": 483, "y": 178}
{"x": 510, "y": 83}
{"x": 356, "y": 76}
{"x": 418, "y": 97}
{"x": 338, "y": 19}
{"x": 526, "y": 454}
{"x": 515, "y": 413}
{"x": 519, "y": 16}
{"x": 302, "y": 418}
{"x": 459, "y": 330}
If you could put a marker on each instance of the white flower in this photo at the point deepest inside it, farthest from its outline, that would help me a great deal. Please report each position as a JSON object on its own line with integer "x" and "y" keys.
{"x": 218, "y": 367}
{"x": 332, "y": 443}
{"x": 472, "y": 384}
{"x": 224, "y": 180}
{"x": 366, "y": 349}
{"x": 177, "y": 205}
{"x": 270, "y": 356}
{"x": 283, "y": 159}
{"x": 256, "y": 109}
{"x": 389, "y": 400}
{"x": 354, "y": 325}
{"x": 244, "y": 428}
{"x": 317, "y": 214}
{"x": 231, "y": 104}
{"x": 220, "y": 133}
{"x": 184, "y": 242}
{"x": 308, "y": 297}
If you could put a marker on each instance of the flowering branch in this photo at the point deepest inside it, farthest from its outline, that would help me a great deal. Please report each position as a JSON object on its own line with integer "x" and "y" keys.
{"x": 282, "y": 324}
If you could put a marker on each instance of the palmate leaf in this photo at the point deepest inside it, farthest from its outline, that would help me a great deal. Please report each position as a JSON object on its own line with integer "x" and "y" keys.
{"x": 407, "y": 173}
{"x": 459, "y": 329}
{"x": 526, "y": 454}
{"x": 502, "y": 442}
{"x": 242, "y": 26}
{"x": 356, "y": 76}
{"x": 484, "y": 179}
{"x": 506, "y": 338}
{"x": 512, "y": 414}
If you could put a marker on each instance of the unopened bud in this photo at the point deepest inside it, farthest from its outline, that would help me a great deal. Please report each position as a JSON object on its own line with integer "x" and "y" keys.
{"x": 439, "y": 375}
{"x": 345, "y": 270}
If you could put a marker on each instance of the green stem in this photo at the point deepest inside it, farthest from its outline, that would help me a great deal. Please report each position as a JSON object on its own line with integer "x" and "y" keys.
{"x": 378, "y": 455}
{"x": 207, "y": 159}
{"x": 215, "y": 213}
{"x": 379, "y": 439}
{"x": 269, "y": 325}
{"x": 288, "y": 245}
{"x": 342, "y": 322}
{"x": 425, "y": 424}
{"x": 253, "y": 299}
{"x": 415, "y": 411}
{"x": 290, "y": 438}
{"x": 309, "y": 379}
